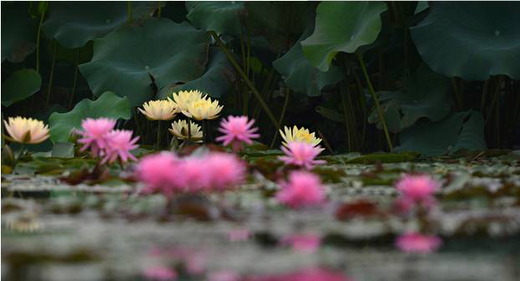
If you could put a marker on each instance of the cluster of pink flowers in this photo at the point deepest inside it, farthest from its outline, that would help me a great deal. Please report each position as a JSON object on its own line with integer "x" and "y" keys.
{"x": 302, "y": 189}
{"x": 306, "y": 274}
{"x": 237, "y": 130}
{"x": 418, "y": 243}
{"x": 105, "y": 142}
{"x": 305, "y": 243}
{"x": 169, "y": 174}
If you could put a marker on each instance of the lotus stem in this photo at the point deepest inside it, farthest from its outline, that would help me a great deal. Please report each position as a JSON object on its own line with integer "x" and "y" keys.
{"x": 282, "y": 115}
{"x": 130, "y": 12}
{"x": 376, "y": 101}
{"x": 246, "y": 79}
{"x": 42, "y": 16}
{"x": 158, "y": 142}
{"x": 73, "y": 91}
{"x": 159, "y": 8}
{"x": 51, "y": 77}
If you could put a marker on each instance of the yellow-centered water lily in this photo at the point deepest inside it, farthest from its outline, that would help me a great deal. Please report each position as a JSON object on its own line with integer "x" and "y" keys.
{"x": 180, "y": 130}
{"x": 26, "y": 130}
{"x": 183, "y": 98}
{"x": 203, "y": 108}
{"x": 159, "y": 109}
{"x": 298, "y": 135}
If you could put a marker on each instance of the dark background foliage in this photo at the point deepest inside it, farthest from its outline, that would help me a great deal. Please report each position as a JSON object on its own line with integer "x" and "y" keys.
{"x": 445, "y": 74}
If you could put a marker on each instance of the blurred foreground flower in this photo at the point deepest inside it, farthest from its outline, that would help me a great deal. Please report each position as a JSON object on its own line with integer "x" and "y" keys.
{"x": 160, "y": 273}
{"x": 180, "y": 130}
{"x": 94, "y": 134}
{"x": 236, "y": 130}
{"x": 418, "y": 243}
{"x": 165, "y": 173}
{"x": 417, "y": 187}
{"x": 307, "y": 243}
{"x": 203, "y": 109}
{"x": 183, "y": 98}
{"x": 119, "y": 144}
{"x": 26, "y": 130}
{"x": 301, "y": 154}
{"x": 303, "y": 189}
{"x": 159, "y": 109}
{"x": 298, "y": 135}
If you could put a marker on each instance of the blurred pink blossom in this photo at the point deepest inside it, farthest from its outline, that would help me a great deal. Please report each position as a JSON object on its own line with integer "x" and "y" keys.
{"x": 237, "y": 130}
{"x": 94, "y": 134}
{"x": 223, "y": 171}
{"x": 418, "y": 188}
{"x": 118, "y": 145}
{"x": 238, "y": 235}
{"x": 307, "y": 243}
{"x": 223, "y": 275}
{"x": 302, "y": 189}
{"x": 307, "y": 274}
{"x": 160, "y": 273}
{"x": 301, "y": 154}
{"x": 418, "y": 243}
{"x": 156, "y": 172}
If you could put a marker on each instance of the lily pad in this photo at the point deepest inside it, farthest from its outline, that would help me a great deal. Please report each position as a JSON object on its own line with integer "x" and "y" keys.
{"x": 342, "y": 27}
{"x": 107, "y": 105}
{"x": 73, "y": 24}
{"x": 301, "y": 76}
{"x": 423, "y": 96}
{"x": 472, "y": 40}
{"x": 20, "y": 85}
{"x": 137, "y": 61}
{"x": 222, "y": 17}
{"x": 18, "y": 31}
{"x": 216, "y": 81}
{"x": 463, "y": 130}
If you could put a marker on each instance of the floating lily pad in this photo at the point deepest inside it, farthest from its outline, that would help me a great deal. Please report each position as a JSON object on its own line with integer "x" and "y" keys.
{"x": 73, "y": 24}
{"x": 424, "y": 95}
{"x": 222, "y": 17}
{"x": 463, "y": 130}
{"x": 107, "y": 105}
{"x": 342, "y": 27}
{"x": 18, "y": 31}
{"x": 135, "y": 61}
{"x": 20, "y": 85}
{"x": 471, "y": 40}
{"x": 301, "y": 76}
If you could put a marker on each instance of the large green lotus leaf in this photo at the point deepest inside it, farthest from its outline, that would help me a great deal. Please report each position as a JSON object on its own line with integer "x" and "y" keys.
{"x": 20, "y": 85}
{"x": 18, "y": 31}
{"x": 107, "y": 105}
{"x": 216, "y": 81}
{"x": 74, "y": 23}
{"x": 132, "y": 60}
{"x": 424, "y": 95}
{"x": 471, "y": 40}
{"x": 342, "y": 27}
{"x": 301, "y": 76}
{"x": 222, "y": 17}
{"x": 280, "y": 23}
{"x": 463, "y": 130}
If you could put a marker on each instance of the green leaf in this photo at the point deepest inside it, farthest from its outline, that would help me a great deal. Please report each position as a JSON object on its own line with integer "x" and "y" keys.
{"x": 134, "y": 61}
{"x": 20, "y": 85}
{"x": 424, "y": 95}
{"x": 63, "y": 150}
{"x": 18, "y": 31}
{"x": 471, "y": 40}
{"x": 301, "y": 76}
{"x": 463, "y": 130}
{"x": 216, "y": 81}
{"x": 421, "y": 6}
{"x": 342, "y": 27}
{"x": 73, "y": 24}
{"x": 222, "y": 17}
{"x": 107, "y": 105}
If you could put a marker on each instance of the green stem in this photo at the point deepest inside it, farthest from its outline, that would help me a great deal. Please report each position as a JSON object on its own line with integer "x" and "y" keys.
{"x": 376, "y": 101}
{"x": 248, "y": 82}
{"x": 73, "y": 91}
{"x": 282, "y": 115}
{"x": 130, "y": 12}
{"x": 457, "y": 92}
{"x": 495, "y": 98}
{"x": 51, "y": 77}
{"x": 158, "y": 142}
{"x": 347, "y": 127}
{"x": 42, "y": 16}
{"x": 159, "y": 8}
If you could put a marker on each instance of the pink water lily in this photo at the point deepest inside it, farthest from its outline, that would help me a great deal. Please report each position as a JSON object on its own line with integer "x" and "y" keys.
{"x": 119, "y": 143}
{"x": 94, "y": 134}
{"x": 301, "y": 154}
{"x": 302, "y": 189}
{"x": 237, "y": 130}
